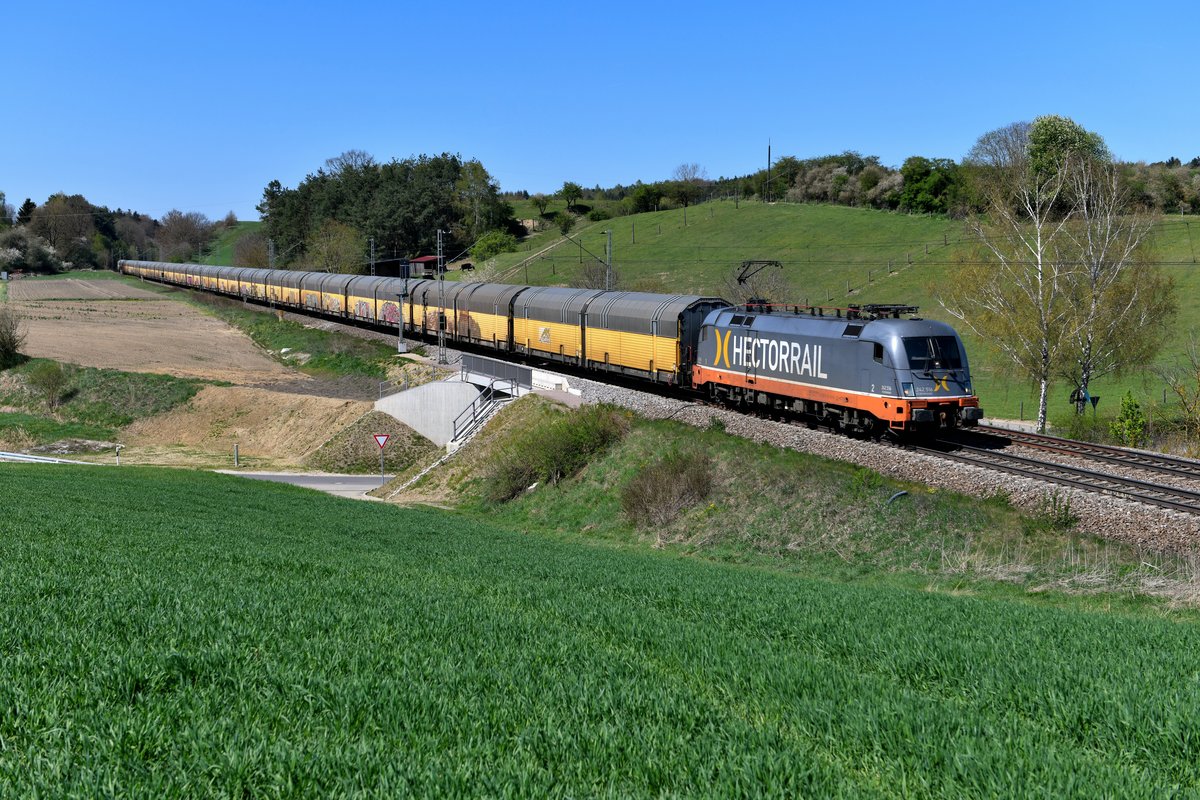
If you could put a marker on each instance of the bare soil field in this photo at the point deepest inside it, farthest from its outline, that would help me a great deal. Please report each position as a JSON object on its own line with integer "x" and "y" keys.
{"x": 275, "y": 414}
{"x": 106, "y": 323}
{"x": 77, "y": 289}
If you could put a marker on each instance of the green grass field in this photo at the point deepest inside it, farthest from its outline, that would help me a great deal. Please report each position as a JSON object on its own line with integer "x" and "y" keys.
{"x": 169, "y": 634}
{"x": 94, "y": 403}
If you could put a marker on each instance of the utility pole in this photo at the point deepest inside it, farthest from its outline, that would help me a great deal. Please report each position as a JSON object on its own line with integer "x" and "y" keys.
{"x": 608, "y": 260}
{"x": 271, "y": 253}
{"x": 372, "y": 256}
{"x": 768, "y": 192}
{"x": 441, "y": 323}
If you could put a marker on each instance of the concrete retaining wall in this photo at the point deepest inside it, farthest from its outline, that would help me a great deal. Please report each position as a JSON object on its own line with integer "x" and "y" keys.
{"x": 431, "y": 409}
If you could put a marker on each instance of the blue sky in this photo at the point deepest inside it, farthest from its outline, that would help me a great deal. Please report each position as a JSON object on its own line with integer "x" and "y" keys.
{"x": 197, "y": 106}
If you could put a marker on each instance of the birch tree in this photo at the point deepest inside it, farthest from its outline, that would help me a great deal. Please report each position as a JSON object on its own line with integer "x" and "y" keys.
{"x": 1016, "y": 297}
{"x": 1121, "y": 306}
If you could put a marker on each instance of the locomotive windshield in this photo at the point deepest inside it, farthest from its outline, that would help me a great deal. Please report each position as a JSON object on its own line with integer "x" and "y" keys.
{"x": 932, "y": 352}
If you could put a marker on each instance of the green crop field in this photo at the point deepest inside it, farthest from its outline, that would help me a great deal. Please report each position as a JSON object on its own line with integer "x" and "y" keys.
{"x": 167, "y": 634}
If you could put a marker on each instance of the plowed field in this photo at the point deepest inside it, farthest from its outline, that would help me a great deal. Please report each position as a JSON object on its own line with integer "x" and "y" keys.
{"x": 106, "y": 323}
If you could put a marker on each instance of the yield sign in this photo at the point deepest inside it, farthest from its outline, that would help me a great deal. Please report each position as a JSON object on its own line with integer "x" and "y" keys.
{"x": 381, "y": 439}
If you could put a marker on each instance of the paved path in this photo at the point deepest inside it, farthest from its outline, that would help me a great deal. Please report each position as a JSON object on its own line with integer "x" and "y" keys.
{"x": 352, "y": 486}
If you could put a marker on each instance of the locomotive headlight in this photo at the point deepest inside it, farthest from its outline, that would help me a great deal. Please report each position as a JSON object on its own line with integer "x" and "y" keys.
{"x": 908, "y": 389}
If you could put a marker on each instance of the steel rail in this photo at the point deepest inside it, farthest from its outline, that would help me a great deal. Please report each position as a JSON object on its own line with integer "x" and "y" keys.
{"x": 1165, "y": 464}
{"x": 1169, "y": 497}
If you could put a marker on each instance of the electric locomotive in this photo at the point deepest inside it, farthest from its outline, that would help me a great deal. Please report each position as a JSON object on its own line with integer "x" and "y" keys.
{"x": 867, "y": 372}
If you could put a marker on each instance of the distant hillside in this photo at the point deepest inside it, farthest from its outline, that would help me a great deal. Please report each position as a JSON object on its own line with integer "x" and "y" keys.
{"x": 695, "y": 250}
{"x": 221, "y": 251}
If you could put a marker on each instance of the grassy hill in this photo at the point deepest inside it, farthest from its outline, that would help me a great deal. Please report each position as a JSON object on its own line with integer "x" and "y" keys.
{"x": 221, "y": 251}
{"x": 272, "y": 640}
{"x": 835, "y": 255}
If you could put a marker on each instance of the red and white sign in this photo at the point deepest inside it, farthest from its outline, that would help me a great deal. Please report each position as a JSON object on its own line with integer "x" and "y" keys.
{"x": 381, "y": 439}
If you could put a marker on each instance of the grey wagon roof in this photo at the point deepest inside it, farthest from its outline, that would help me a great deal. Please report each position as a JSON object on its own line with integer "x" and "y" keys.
{"x": 553, "y": 304}
{"x": 636, "y": 312}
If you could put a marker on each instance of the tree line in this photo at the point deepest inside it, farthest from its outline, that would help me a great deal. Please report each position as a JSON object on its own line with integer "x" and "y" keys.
{"x": 67, "y": 232}
{"x": 329, "y": 220}
{"x": 921, "y": 185}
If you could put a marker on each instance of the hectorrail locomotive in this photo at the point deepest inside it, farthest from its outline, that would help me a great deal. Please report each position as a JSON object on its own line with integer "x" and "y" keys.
{"x": 868, "y": 371}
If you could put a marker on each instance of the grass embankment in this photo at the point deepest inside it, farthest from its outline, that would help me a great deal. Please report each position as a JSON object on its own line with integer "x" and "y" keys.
{"x": 221, "y": 251}
{"x": 353, "y": 450}
{"x": 88, "y": 403}
{"x": 169, "y": 634}
{"x": 788, "y": 510}
{"x": 308, "y": 349}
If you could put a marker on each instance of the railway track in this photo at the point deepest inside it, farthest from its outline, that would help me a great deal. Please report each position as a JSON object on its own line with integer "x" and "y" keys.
{"x": 1182, "y": 468}
{"x": 1088, "y": 480}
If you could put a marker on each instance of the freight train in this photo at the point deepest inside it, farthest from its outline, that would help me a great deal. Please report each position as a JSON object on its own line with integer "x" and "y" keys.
{"x": 864, "y": 370}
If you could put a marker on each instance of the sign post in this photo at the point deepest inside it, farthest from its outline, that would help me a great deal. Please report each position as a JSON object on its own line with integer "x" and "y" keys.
{"x": 381, "y": 439}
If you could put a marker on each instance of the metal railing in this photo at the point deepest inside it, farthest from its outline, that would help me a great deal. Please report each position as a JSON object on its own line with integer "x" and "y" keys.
{"x": 477, "y": 413}
{"x": 515, "y": 374}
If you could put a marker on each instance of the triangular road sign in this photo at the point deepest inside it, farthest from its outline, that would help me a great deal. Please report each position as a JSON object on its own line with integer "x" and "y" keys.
{"x": 381, "y": 439}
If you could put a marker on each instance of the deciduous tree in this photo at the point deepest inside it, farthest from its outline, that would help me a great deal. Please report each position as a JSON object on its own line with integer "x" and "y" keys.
{"x": 12, "y": 337}
{"x": 251, "y": 250}
{"x": 1121, "y": 306}
{"x": 65, "y": 222}
{"x": 336, "y": 247}
{"x": 571, "y": 192}
{"x": 1017, "y": 298}
{"x": 181, "y": 236}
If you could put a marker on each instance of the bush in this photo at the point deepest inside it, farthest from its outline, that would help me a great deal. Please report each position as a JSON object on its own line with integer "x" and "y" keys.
{"x": 1129, "y": 428}
{"x": 564, "y": 221}
{"x": 663, "y": 490}
{"x": 492, "y": 244}
{"x": 49, "y": 379}
{"x": 599, "y": 214}
{"x": 553, "y": 451}
{"x": 12, "y": 338}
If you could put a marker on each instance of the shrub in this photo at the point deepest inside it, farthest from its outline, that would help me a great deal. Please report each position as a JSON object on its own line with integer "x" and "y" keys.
{"x": 492, "y": 244}
{"x": 12, "y": 337}
{"x": 553, "y": 451}
{"x": 663, "y": 490}
{"x": 599, "y": 214}
{"x": 1129, "y": 428}
{"x": 49, "y": 379}
{"x": 564, "y": 221}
